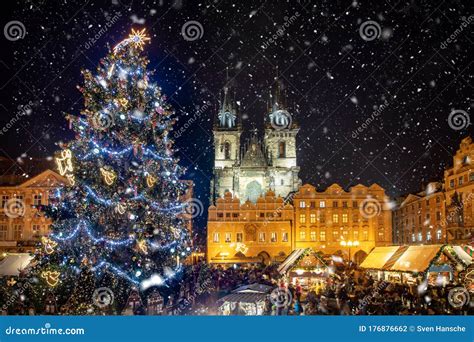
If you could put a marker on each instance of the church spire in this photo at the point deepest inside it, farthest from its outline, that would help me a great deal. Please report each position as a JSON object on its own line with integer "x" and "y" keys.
{"x": 227, "y": 116}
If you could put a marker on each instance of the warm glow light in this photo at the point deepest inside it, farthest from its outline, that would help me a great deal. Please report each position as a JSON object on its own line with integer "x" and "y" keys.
{"x": 64, "y": 162}
{"x": 51, "y": 277}
{"x": 109, "y": 176}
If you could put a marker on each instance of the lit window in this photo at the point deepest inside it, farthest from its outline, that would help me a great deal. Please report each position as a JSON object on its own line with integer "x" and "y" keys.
{"x": 428, "y": 236}
{"x": 17, "y": 231}
{"x": 215, "y": 238}
{"x": 281, "y": 149}
{"x": 335, "y": 235}
{"x": 312, "y": 236}
{"x": 335, "y": 218}
{"x": 228, "y": 237}
{"x": 37, "y": 199}
{"x": 355, "y": 234}
{"x": 322, "y": 204}
{"x": 302, "y": 235}
{"x": 381, "y": 235}
{"x": 302, "y": 204}
{"x": 420, "y": 237}
{"x": 239, "y": 237}
{"x": 344, "y": 218}
{"x": 322, "y": 236}
{"x": 302, "y": 218}
{"x": 460, "y": 181}
{"x": 273, "y": 237}
{"x": 3, "y": 232}
{"x": 413, "y": 237}
{"x": 451, "y": 183}
{"x": 365, "y": 235}
{"x": 438, "y": 235}
{"x": 261, "y": 237}
{"x": 284, "y": 237}
{"x": 312, "y": 218}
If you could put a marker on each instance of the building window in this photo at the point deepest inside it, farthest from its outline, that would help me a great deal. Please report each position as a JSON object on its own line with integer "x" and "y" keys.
{"x": 344, "y": 204}
{"x": 471, "y": 177}
{"x": 420, "y": 237}
{"x": 5, "y": 199}
{"x": 345, "y": 233}
{"x": 335, "y": 218}
{"x": 215, "y": 238}
{"x": 460, "y": 180}
{"x": 302, "y": 204}
{"x": 36, "y": 229}
{"x": 284, "y": 237}
{"x": 381, "y": 235}
{"x": 354, "y": 204}
{"x": 355, "y": 218}
{"x": 239, "y": 237}
{"x": 281, "y": 149}
{"x": 302, "y": 218}
{"x": 438, "y": 198}
{"x": 438, "y": 216}
{"x": 312, "y": 218}
{"x": 261, "y": 237}
{"x": 322, "y": 218}
{"x": 228, "y": 237}
{"x": 451, "y": 183}
{"x": 282, "y": 182}
{"x": 302, "y": 235}
{"x": 355, "y": 234}
{"x": 334, "y": 204}
{"x": 428, "y": 236}
{"x": 365, "y": 235}
{"x": 322, "y": 236}
{"x": 312, "y": 235}
{"x": 17, "y": 231}
{"x": 3, "y": 232}
{"x": 335, "y": 235}
{"x": 438, "y": 234}
{"x": 273, "y": 237}
{"x": 413, "y": 237}
{"x": 322, "y": 204}
{"x": 344, "y": 218}
{"x": 227, "y": 150}
{"x": 312, "y": 204}
{"x": 37, "y": 200}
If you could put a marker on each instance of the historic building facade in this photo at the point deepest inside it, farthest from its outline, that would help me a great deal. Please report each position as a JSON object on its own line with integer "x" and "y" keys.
{"x": 334, "y": 221}
{"x": 420, "y": 218}
{"x": 459, "y": 193}
{"x": 249, "y": 232}
{"x": 21, "y": 222}
{"x": 249, "y": 169}
{"x": 443, "y": 212}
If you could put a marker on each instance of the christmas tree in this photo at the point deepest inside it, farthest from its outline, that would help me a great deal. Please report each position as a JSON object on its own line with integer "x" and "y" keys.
{"x": 120, "y": 218}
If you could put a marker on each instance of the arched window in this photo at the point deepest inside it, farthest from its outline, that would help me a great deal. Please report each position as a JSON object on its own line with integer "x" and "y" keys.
{"x": 227, "y": 150}
{"x": 281, "y": 149}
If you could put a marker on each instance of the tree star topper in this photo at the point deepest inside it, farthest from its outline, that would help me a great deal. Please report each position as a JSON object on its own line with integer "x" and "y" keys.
{"x": 136, "y": 38}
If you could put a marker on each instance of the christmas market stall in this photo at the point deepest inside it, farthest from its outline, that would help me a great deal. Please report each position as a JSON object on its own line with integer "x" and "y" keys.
{"x": 438, "y": 264}
{"x": 248, "y": 300}
{"x": 14, "y": 263}
{"x": 306, "y": 268}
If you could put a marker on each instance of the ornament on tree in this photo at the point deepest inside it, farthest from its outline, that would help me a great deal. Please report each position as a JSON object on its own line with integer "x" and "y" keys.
{"x": 121, "y": 208}
{"x": 51, "y": 277}
{"x": 151, "y": 180}
{"x": 48, "y": 244}
{"x": 11, "y": 282}
{"x": 64, "y": 162}
{"x": 108, "y": 176}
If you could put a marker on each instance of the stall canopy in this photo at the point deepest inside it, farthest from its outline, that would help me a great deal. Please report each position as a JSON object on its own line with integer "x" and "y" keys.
{"x": 13, "y": 264}
{"x": 303, "y": 258}
{"x": 416, "y": 258}
{"x": 248, "y": 294}
{"x": 382, "y": 258}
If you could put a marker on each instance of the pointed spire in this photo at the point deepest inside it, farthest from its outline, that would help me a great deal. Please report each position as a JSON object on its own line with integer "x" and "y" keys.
{"x": 227, "y": 116}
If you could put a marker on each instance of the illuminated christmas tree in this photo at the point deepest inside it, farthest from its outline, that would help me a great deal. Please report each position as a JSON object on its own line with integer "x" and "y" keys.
{"x": 120, "y": 217}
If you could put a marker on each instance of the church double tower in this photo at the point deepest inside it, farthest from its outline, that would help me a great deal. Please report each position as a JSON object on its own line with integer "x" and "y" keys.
{"x": 252, "y": 168}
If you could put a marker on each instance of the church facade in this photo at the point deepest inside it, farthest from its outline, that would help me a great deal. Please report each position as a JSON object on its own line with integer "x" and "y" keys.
{"x": 249, "y": 169}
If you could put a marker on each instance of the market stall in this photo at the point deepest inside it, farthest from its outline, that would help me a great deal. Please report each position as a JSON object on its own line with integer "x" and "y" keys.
{"x": 12, "y": 264}
{"x": 248, "y": 300}
{"x": 306, "y": 268}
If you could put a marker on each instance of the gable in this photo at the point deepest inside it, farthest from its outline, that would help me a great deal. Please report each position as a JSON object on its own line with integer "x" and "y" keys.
{"x": 46, "y": 179}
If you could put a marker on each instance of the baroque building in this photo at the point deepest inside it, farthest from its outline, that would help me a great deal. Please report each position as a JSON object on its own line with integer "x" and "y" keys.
{"x": 249, "y": 169}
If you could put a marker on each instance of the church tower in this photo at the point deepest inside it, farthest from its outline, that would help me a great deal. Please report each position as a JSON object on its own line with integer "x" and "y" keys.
{"x": 280, "y": 142}
{"x": 227, "y": 131}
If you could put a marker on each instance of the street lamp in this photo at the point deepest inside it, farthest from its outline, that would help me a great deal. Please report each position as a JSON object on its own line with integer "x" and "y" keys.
{"x": 349, "y": 244}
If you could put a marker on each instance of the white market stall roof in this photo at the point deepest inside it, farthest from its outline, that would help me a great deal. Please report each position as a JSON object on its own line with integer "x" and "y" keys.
{"x": 381, "y": 258}
{"x": 13, "y": 263}
{"x": 301, "y": 258}
{"x": 290, "y": 260}
{"x": 463, "y": 255}
{"x": 416, "y": 258}
{"x": 252, "y": 293}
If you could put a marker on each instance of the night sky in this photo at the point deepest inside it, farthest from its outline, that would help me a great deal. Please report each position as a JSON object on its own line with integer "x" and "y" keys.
{"x": 335, "y": 79}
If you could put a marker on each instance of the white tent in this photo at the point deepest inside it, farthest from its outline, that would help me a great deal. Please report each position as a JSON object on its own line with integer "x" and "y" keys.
{"x": 14, "y": 263}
